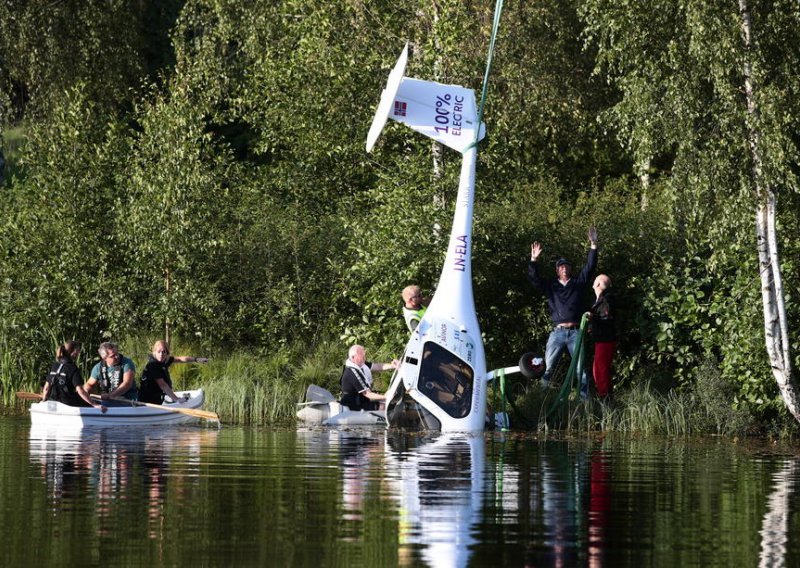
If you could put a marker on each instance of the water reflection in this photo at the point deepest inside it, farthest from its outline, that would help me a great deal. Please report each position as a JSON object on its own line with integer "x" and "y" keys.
{"x": 599, "y": 506}
{"x": 359, "y": 458}
{"x": 554, "y": 501}
{"x": 101, "y": 469}
{"x": 348, "y": 498}
{"x": 775, "y": 524}
{"x": 455, "y": 504}
{"x": 549, "y": 503}
{"x": 439, "y": 484}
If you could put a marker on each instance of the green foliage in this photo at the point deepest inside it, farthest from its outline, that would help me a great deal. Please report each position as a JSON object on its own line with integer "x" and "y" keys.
{"x": 54, "y": 248}
{"x": 713, "y": 396}
{"x": 196, "y": 169}
{"x": 182, "y": 209}
{"x": 46, "y": 48}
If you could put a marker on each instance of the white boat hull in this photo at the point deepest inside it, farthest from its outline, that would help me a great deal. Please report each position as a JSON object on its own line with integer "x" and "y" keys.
{"x": 52, "y": 413}
{"x": 336, "y": 414}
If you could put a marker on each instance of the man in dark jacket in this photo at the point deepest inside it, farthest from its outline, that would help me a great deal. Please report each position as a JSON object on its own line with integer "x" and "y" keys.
{"x": 565, "y": 299}
{"x": 356, "y": 380}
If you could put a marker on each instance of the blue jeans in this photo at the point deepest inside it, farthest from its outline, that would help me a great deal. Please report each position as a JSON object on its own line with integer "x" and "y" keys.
{"x": 561, "y": 338}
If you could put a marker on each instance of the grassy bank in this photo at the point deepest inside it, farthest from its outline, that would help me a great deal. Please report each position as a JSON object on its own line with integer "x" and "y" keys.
{"x": 642, "y": 409}
{"x": 248, "y": 387}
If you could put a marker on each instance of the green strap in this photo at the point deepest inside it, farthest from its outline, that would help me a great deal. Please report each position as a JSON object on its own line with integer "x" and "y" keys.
{"x": 500, "y": 385}
{"x": 572, "y": 372}
{"x": 503, "y": 387}
{"x": 503, "y": 396}
{"x": 498, "y": 10}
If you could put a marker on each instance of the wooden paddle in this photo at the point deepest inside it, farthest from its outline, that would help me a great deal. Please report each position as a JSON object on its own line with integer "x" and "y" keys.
{"x": 188, "y": 411}
{"x": 29, "y": 395}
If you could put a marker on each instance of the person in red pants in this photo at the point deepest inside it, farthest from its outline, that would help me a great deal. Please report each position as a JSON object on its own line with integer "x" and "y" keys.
{"x": 604, "y": 333}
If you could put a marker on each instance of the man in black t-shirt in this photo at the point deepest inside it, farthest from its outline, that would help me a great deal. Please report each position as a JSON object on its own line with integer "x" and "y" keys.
{"x": 356, "y": 380}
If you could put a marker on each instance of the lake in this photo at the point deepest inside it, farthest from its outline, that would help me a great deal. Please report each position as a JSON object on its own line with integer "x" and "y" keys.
{"x": 241, "y": 496}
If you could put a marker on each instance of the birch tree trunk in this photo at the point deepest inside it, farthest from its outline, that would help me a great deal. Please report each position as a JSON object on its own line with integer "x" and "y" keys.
{"x": 776, "y": 329}
{"x": 643, "y": 169}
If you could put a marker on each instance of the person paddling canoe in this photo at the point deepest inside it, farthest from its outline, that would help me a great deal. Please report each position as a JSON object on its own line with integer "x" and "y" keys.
{"x": 156, "y": 382}
{"x": 64, "y": 382}
{"x": 115, "y": 374}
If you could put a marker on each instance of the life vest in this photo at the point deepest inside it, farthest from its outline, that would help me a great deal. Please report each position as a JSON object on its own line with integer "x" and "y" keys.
{"x": 149, "y": 390}
{"x": 356, "y": 400}
{"x": 61, "y": 387}
{"x": 413, "y": 317}
{"x": 111, "y": 378}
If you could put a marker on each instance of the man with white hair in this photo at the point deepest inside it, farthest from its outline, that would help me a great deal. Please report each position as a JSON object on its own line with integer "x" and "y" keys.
{"x": 356, "y": 380}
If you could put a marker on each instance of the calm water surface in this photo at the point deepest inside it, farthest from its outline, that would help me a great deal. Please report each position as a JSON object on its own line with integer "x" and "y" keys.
{"x": 258, "y": 497}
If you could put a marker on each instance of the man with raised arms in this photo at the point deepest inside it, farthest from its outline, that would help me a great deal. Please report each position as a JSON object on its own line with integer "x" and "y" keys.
{"x": 565, "y": 300}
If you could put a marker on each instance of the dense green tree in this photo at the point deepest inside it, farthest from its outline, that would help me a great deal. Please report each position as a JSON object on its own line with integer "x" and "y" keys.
{"x": 109, "y": 47}
{"x": 683, "y": 71}
{"x": 198, "y": 169}
{"x": 58, "y": 256}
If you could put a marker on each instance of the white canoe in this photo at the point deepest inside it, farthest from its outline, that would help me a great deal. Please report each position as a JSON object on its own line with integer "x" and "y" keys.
{"x": 336, "y": 414}
{"x": 52, "y": 413}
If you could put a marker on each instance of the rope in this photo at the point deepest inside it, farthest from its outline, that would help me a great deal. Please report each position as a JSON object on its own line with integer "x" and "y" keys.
{"x": 498, "y": 10}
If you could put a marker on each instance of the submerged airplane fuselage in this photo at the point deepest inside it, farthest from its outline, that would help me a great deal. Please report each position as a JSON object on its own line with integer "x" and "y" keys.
{"x": 441, "y": 382}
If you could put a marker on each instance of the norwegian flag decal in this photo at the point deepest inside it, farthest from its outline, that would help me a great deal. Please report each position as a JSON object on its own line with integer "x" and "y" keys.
{"x": 400, "y": 108}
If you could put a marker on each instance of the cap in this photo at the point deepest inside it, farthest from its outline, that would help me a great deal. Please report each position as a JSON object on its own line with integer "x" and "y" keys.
{"x": 561, "y": 261}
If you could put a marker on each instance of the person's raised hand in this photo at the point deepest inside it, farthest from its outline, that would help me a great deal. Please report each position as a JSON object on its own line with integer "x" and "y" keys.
{"x": 592, "y": 234}
{"x": 536, "y": 250}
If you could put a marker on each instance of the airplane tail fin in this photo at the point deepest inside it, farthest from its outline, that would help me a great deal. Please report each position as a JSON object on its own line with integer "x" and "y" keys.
{"x": 445, "y": 113}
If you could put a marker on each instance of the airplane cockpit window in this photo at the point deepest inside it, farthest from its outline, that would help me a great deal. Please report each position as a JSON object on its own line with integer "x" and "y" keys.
{"x": 446, "y": 379}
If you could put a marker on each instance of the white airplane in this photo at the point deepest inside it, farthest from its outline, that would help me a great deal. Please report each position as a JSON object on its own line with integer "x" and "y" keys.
{"x": 442, "y": 380}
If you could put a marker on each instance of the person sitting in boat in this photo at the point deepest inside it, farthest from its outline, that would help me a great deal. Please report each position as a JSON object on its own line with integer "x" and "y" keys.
{"x": 565, "y": 300}
{"x": 156, "y": 382}
{"x": 64, "y": 382}
{"x": 115, "y": 374}
{"x": 356, "y": 380}
{"x": 414, "y": 306}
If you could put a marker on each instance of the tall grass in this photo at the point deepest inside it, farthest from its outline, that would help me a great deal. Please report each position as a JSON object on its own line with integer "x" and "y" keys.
{"x": 247, "y": 388}
{"x": 640, "y": 409}
{"x": 23, "y": 369}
